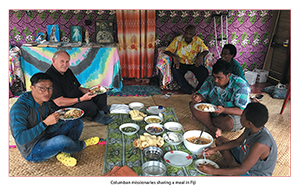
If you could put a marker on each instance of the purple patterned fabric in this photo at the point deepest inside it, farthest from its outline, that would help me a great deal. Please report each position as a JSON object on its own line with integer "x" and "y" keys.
{"x": 249, "y": 30}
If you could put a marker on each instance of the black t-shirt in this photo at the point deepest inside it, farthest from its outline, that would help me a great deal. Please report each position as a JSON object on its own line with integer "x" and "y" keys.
{"x": 65, "y": 85}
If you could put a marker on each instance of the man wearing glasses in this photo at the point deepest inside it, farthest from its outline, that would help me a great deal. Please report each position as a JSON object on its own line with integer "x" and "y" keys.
{"x": 38, "y": 131}
{"x": 187, "y": 52}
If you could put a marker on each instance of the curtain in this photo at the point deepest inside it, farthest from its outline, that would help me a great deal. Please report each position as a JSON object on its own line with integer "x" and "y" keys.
{"x": 136, "y": 35}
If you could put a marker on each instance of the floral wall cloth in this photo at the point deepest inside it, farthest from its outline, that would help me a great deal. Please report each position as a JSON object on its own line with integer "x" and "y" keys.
{"x": 248, "y": 30}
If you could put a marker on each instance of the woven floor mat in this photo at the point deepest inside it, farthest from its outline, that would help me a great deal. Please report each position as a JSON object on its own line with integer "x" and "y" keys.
{"x": 89, "y": 163}
{"x": 90, "y": 160}
{"x": 278, "y": 125}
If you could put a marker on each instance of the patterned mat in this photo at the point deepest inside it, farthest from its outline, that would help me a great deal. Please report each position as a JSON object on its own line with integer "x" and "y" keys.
{"x": 119, "y": 147}
{"x": 135, "y": 90}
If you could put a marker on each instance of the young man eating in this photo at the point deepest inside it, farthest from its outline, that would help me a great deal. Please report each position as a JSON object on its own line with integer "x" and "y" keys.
{"x": 254, "y": 153}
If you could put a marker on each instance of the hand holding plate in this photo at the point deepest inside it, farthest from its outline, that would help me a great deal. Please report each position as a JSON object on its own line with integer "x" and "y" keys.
{"x": 87, "y": 96}
{"x": 220, "y": 109}
{"x": 52, "y": 119}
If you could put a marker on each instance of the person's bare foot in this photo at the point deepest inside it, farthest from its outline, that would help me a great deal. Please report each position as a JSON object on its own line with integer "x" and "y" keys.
{"x": 218, "y": 132}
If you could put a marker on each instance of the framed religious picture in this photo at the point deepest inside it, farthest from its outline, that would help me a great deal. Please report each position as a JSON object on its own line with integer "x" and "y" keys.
{"x": 40, "y": 37}
{"x": 104, "y": 31}
{"x": 53, "y": 33}
{"x": 76, "y": 33}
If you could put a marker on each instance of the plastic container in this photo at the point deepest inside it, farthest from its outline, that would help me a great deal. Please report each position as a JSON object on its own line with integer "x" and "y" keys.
{"x": 262, "y": 75}
{"x": 251, "y": 77}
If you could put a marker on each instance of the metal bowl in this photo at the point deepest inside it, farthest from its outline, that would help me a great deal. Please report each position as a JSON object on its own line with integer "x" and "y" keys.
{"x": 153, "y": 153}
{"x": 154, "y": 168}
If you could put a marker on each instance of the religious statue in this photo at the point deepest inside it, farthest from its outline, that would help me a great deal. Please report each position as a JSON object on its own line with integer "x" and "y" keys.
{"x": 87, "y": 38}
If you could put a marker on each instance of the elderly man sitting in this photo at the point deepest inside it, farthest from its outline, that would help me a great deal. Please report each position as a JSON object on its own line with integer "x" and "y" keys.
{"x": 230, "y": 93}
{"x": 187, "y": 52}
{"x": 67, "y": 91}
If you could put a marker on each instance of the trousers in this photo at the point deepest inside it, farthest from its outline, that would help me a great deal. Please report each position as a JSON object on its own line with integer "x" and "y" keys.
{"x": 64, "y": 139}
{"x": 200, "y": 72}
{"x": 92, "y": 107}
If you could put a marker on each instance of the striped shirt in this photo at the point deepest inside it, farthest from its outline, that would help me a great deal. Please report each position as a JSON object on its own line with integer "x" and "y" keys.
{"x": 236, "y": 94}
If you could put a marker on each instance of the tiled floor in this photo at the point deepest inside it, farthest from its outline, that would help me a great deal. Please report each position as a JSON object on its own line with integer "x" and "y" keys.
{"x": 255, "y": 89}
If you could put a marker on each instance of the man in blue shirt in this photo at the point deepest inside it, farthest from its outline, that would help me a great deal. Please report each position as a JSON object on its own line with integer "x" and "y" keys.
{"x": 38, "y": 131}
{"x": 228, "y": 92}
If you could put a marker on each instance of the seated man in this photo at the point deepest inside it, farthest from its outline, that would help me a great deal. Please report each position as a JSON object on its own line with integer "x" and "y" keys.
{"x": 68, "y": 93}
{"x": 228, "y": 92}
{"x": 228, "y": 54}
{"x": 187, "y": 52}
{"x": 254, "y": 153}
{"x": 38, "y": 132}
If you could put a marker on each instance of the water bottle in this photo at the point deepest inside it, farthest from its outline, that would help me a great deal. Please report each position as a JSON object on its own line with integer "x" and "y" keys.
{"x": 160, "y": 112}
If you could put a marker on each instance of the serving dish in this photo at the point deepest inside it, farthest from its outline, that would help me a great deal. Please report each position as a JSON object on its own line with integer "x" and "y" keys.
{"x": 178, "y": 158}
{"x": 136, "y": 105}
{"x": 205, "y": 107}
{"x": 98, "y": 89}
{"x": 124, "y": 130}
{"x": 77, "y": 113}
{"x": 202, "y": 161}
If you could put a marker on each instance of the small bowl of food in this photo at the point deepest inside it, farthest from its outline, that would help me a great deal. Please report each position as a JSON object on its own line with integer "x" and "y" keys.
{"x": 153, "y": 119}
{"x": 153, "y": 153}
{"x": 198, "y": 163}
{"x": 190, "y": 137}
{"x": 129, "y": 128}
{"x": 154, "y": 128}
{"x": 173, "y": 138}
{"x": 173, "y": 126}
{"x": 154, "y": 168}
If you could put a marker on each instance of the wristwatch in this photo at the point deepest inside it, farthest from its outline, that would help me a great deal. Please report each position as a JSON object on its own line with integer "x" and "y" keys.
{"x": 78, "y": 99}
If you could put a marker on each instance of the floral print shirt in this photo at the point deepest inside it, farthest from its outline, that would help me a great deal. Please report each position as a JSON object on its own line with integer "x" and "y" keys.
{"x": 187, "y": 52}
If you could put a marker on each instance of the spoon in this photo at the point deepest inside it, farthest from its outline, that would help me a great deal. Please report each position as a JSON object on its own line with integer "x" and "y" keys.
{"x": 204, "y": 157}
{"x": 198, "y": 141}
{"x": 167, "y": 133}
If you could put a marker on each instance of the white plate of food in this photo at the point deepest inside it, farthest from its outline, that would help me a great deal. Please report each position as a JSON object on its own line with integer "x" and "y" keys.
{"x": 205, "y": 107}
{"x": 155, "y": 110}
{"x": 178, "y": 158}
{"x": 98, "y": 89}
{"x": 70, "y": 113}
{"x": 209, "y": 163}
{"x": 136, "y": 105}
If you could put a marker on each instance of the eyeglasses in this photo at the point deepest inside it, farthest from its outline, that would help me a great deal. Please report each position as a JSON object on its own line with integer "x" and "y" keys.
{"x": 44, "y": 89}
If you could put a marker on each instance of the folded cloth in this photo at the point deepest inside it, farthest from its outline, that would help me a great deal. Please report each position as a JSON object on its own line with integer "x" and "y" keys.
{"x": 119, "y": 108}
{"x": 121, "y": 171}
{"x": 114, "y": 170}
